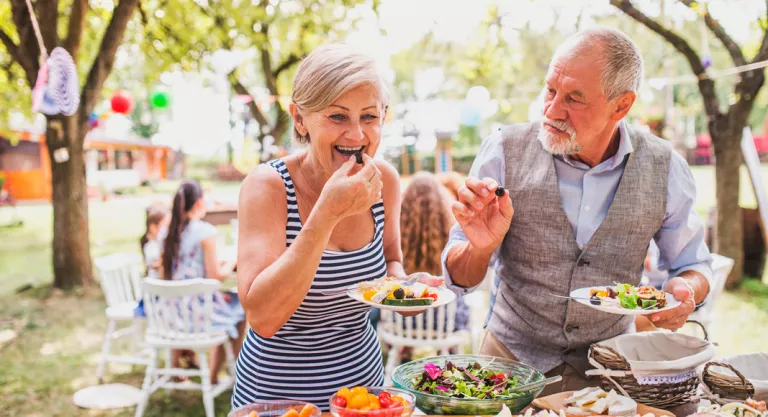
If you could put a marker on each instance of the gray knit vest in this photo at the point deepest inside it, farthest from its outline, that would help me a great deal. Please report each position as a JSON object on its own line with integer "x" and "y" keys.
{"x": 539, "y": 254}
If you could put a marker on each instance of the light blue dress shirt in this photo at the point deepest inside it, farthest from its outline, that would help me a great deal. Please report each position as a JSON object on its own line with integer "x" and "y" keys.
{"x": 587, "y": 194}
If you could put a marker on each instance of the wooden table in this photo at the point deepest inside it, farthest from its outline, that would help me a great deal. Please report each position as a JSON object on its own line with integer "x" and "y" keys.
{"x": 220, "y": 215}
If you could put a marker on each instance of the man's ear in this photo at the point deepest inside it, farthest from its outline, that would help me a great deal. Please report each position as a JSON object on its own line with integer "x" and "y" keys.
{"x": 298, "y": 120}
{"x": 623, "y": 105}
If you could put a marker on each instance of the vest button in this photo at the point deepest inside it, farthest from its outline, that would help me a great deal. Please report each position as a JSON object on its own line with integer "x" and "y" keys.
{"x": 569, "y": 328}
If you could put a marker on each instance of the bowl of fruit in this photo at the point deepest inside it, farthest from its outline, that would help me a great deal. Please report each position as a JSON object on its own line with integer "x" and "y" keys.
{"x": 372, "y": 402}
{"x": 276, "y": 408}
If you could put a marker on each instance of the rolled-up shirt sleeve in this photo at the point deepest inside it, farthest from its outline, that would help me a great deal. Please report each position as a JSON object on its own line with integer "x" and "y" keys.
{"x": 681, "y": 237}
{"x": 489, "y": 163}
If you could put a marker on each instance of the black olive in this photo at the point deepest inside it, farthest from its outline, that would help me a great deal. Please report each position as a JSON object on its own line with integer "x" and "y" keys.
{"x": 359, "y": 158}
{"x": 500, "y": 192}
{"x": 399, "y": 293}
{"x": 594, "y": 300}
{"x": 410, "y": 295}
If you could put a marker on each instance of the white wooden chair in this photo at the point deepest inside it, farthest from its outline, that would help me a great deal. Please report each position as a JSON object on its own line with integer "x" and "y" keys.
{"x": 179, "y": 317}
{"x": 120, "y": 276}
{"x": 721, "y": 266}
{"x": 418, "y": 331}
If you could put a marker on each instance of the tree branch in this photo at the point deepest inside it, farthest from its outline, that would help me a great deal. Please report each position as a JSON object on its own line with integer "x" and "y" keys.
{"x": 104, "y": 61}
{"x": 76, "y": 27}
{"x": 266, "y": 62}
{"x": 762, "y": 53}
{"x": 10, "y": 46}
{"x": 714, "y": 26}
{"x": 706, "y": 85}
{"x": 292, "y": 59}
{"x": 143, "y": 14}
{"x": 48, "y": 20}
{"x": 252, "y": 106}
{"x": 28, "y": 49}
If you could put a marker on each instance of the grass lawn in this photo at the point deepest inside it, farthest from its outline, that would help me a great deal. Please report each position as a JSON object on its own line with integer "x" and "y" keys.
{"x": 50, "y": 342}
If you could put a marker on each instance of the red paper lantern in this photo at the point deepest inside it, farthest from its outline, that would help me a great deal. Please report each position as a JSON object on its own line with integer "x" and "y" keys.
{"x": 122, "y": 102}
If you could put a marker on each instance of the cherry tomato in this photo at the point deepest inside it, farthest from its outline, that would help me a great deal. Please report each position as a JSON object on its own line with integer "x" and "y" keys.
{"x": 395, "y": 410}
{"x": 344, "y": 392}
{"x": 358, "y": 401}
{"x": 339, "y": 401}
{"x": 432, "y": 296}
{"x": 384, "y": 394}
{"x": 374, "y": 401}
{"x": 399, "y": 399}
{"x": 386, "y": 402}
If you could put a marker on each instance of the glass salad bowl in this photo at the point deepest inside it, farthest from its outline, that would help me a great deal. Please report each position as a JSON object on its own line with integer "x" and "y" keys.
{"x": 431, "y": 404}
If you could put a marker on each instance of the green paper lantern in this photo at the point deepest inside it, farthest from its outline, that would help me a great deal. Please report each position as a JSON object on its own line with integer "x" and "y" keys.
{"x": 160, "y": 99}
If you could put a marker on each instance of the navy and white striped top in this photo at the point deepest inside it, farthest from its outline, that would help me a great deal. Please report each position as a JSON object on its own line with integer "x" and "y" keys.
{"x": 329, "y": 342}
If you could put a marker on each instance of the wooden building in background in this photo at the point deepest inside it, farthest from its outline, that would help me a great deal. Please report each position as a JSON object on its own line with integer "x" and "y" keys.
{"x": 110, "y": 164}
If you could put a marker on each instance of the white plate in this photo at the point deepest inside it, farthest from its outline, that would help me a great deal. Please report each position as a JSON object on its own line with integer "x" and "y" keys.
{"x": 615, "y": 308}
{"x": 444, "y": 296}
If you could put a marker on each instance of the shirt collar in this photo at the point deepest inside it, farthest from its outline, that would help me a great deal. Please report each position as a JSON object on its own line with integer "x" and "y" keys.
{"x": 625, "y": 148}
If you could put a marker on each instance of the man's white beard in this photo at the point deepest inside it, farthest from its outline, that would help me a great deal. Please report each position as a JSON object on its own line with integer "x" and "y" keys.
{"x": 553, "y": 143}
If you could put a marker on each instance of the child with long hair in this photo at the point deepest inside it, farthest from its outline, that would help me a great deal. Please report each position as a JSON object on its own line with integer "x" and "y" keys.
{"x": 189, "y": 251}
{"x": 158, "y": 218}
{"x": 425, "y": 222}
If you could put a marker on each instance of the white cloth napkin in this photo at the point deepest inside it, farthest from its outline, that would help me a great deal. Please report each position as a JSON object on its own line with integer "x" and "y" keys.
{"x": 662, "y": 357}
{"x": 754, "y": 366}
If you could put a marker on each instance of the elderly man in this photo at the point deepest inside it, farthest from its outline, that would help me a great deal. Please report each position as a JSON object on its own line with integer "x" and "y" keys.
{"x": 585, "y": 195}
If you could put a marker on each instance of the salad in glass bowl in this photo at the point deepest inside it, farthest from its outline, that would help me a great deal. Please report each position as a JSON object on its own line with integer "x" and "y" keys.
{"x": 468, "y": 384}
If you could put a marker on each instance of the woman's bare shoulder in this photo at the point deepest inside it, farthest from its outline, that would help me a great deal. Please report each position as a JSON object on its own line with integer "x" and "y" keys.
{"x": 262, "y": 187}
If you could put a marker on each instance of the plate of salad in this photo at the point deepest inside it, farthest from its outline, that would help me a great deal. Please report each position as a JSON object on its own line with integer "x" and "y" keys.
{"x": 626, "y": 299}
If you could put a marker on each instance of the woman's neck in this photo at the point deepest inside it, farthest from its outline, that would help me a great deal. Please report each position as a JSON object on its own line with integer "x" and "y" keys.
{"x": 313, "y": 173}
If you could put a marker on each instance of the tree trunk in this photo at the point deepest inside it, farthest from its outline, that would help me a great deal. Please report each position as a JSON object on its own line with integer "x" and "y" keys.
{"x": 729, "y": 239}
{"x": 71, "y": 247}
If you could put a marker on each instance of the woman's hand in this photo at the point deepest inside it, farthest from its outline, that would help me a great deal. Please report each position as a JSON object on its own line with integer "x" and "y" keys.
{"x": 346, "y": 194}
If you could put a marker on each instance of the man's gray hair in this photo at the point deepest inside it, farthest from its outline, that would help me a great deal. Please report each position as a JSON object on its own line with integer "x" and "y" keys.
{"x": 621, "y": 60}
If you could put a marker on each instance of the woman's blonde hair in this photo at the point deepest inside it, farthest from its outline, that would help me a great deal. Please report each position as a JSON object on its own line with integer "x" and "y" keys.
{"x": 424, "y": 224}
{"x": 329, "y": 72}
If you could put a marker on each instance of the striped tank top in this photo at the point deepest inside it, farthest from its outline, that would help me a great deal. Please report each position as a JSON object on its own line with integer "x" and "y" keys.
{"x": 329, "y": 342}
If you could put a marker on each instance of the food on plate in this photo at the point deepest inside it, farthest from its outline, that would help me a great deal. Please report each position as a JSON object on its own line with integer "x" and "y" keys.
{"x": 390, "y": 292}
{"x": 360, "y": 401}
{"x": 629, "y": 297}
{"x": 750, "y": 408}
{"x": 475, "y": 381}
{"x": 595, "y": 401}
{"x": 545, "y": 413}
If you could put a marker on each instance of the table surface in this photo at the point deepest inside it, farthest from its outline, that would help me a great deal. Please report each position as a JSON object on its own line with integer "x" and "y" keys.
{"x": 681, "y": 411}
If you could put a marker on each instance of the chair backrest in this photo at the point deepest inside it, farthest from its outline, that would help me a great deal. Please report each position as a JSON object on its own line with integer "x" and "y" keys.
{"x": 179, "y": 310}
{"x": 437, "y": 323}
{"x": 120, "y": 276}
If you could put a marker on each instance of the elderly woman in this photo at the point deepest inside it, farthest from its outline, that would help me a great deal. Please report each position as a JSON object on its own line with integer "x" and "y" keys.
{"x": 318, "y": 221}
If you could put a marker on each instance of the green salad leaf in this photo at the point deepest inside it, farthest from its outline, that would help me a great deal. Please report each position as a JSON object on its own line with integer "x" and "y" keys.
{"x": 472, "y": 381}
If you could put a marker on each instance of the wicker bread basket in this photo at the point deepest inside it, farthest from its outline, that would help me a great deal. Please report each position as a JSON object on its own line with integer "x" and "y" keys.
{"x": 727, "y": 387}
{"x": 621, "y": 379}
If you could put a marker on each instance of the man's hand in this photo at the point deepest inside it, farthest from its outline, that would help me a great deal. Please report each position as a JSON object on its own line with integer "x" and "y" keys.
{"x": 483, "y": 216}
{"x": 676, "y": 318}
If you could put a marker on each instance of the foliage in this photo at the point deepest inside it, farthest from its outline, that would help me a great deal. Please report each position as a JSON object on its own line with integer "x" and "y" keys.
{"x": 272, "y": 35}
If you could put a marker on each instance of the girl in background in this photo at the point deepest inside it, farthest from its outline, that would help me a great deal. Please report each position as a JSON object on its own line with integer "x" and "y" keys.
{"x": 425, "y": 222}
{"x": 158, "y": 218}
{"x": 189, "y": 251}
